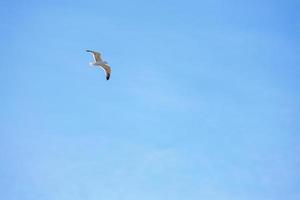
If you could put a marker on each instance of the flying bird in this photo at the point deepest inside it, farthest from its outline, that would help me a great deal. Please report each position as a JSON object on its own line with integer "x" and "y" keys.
{"x": 101, "y": 63}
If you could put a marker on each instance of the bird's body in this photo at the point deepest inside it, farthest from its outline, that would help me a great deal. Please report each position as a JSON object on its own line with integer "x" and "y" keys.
{"x": 100, "y": 63}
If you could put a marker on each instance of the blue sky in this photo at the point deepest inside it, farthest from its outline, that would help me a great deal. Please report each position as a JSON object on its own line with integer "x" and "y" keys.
{"x": 203, "y": 101}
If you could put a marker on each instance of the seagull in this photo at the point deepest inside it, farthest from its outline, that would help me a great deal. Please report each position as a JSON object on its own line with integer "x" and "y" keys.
{"x": 101, "y": 63}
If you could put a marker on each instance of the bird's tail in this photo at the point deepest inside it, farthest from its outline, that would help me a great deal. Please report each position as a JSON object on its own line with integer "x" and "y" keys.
{"x": 89, "y": 51}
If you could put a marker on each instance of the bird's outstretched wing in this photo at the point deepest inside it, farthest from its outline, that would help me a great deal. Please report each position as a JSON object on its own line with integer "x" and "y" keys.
{"x": 107, "y": 71}
{"x": 96, "y": 55}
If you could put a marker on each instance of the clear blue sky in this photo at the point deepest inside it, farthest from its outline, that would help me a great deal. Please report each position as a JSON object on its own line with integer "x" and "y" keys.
{"x": 203, "y": 101}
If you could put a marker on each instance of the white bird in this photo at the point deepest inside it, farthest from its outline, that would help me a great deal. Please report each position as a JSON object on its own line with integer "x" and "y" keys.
{"x": 101, "y": 63}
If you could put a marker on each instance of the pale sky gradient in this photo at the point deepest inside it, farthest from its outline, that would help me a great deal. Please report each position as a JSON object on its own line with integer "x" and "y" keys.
{"x": 203, "y": 100}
